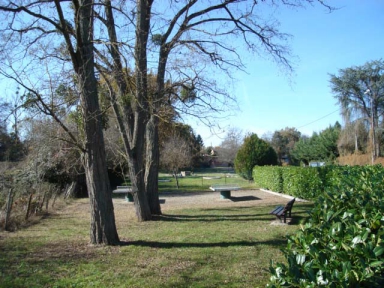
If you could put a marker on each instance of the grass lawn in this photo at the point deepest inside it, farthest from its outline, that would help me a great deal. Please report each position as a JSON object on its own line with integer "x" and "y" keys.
{"x": 201, "y": 180}
{"x": 193, "y": 247}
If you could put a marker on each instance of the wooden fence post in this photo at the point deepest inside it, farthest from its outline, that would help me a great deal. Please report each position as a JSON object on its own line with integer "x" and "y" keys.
{"x": 8, "y": 208}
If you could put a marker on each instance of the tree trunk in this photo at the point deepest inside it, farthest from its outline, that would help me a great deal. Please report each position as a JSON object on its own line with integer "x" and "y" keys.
{"x": 29, "y": 206}
{"x": 140, "y": 107}
{"x": 152, "y": 167}
{"x": 102, "y": 226}
{"x": 70, "y": 190}
{"x": 176, "y": 178}
{"x": 131, "y": 118}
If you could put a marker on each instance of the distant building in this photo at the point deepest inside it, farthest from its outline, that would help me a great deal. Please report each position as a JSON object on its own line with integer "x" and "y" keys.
{"x": 316, "y": 164}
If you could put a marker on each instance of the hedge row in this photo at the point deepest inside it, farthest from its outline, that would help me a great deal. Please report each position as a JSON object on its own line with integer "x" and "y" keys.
{"x": 342, "y": 245}
{"x": 301, "y": 182}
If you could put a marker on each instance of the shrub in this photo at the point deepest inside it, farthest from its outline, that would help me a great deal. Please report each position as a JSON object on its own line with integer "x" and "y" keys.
{"x": 342, "y": 245}
{"x": 302, "y": 182}
{"x": 268, "y": 177}
{"x": 254, "y": 151}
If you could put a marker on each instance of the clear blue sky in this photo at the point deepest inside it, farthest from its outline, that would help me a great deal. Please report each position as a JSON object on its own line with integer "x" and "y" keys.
{"x": 322, "y": 44}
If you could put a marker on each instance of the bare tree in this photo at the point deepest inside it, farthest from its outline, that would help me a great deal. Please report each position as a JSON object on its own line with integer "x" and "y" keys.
{"x": 30, "y": 31}
{"x": 230, "y": 145}
{"x": 185, "y": 37}
{"x": 176, "y": 154}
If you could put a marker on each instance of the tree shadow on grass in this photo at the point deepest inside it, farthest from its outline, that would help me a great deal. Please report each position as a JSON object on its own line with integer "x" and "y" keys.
{"x": 212, "y": 217}
{"x": 170, "y": 245}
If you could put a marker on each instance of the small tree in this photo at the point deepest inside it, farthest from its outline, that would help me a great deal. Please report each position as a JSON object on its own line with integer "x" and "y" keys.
{"x": 176, "y": 154}
{"x": 230, "y": 145}
{"x": 283, "y": 142}
{"x": 254, "y": 151}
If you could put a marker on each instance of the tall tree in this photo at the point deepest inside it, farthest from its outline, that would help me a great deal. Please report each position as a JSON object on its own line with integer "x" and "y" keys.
{"x": 283, "y": 142}
{"x": 254, "y": 151}
{"x": 201, "y": 30}
{"x": 319, "y": 147}
{"x": 129, "y": 99}
{"x": 360, "y": 93}
{"x": 36, "y": 27}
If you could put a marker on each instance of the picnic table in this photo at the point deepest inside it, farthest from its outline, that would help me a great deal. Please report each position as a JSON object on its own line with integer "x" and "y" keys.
{"x": 225, "y": 190}
{"x": 126, "y": 190}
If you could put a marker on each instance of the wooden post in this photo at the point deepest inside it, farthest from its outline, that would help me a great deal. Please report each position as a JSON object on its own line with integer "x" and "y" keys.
{"x": 29, "y": 206}
{"x": 8, "y": 208}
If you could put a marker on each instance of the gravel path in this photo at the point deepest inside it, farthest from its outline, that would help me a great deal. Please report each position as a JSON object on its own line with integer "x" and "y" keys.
{"x": 242, "y": 198}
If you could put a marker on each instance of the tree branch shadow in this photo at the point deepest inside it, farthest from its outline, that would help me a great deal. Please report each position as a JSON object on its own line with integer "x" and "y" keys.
{"x": 171, "y": 245}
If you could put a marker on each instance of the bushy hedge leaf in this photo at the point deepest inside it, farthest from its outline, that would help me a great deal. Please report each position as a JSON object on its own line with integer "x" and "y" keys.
{"x": 342, "y": 245}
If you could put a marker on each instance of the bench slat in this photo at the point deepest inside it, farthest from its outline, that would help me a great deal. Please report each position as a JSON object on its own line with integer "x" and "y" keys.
{"x": 283, "y": 211}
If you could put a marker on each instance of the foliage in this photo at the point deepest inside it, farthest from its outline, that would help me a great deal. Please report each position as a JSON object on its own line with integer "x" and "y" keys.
{"x": 254, "y": 151}
{"x": 302, "y": 182}
{"x": 11, "y": 147}
{"x": 360, "y": 93}
{"x": 319, "y": 147}
{"x": 283, "y": 141}
{"x": 268, "y": 177}
{"x": 354, "y": 138}
{"x": 342, "y": 245}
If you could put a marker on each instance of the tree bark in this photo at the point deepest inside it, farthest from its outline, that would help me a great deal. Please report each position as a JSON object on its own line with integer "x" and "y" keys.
{"x": 102, "y": 226}
{"x": 8, "y": 209}
{"x": 131, "y": 118}
{"x": 140, "y": 107}
{"x": 29, "y": 206}
{"x": 152, "y": 165}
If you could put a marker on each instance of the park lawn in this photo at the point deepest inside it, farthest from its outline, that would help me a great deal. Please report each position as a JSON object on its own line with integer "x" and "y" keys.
{"x": 194, "y": 247}
{"x": 201, "y": 180}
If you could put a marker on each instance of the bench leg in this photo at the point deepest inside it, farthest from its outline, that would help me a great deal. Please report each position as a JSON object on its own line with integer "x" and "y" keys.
{"x": 225, "y": 194}
{"x": 129, "y": 197}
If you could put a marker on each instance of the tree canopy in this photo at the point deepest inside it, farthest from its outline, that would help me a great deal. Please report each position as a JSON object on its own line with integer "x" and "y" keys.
{"x": 318, "y": 147}
{"x": 283, "y": 141}
{"x": 360, "y": 93}
{"x": 254, "y": 151}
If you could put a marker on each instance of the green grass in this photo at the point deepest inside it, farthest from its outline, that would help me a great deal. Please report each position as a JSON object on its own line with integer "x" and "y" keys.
{"x": 211, "y": 247}
{"x": 199, "y": 180}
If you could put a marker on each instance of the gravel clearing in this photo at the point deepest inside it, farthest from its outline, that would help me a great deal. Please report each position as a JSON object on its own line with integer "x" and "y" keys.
{"x": 244, "y": 198}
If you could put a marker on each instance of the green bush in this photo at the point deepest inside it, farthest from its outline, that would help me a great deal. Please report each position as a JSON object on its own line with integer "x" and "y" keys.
{"x": 254, "y": 151}
{"x": 268, "y": 177}
{"x": 302, "y": 182}
{"x": 342, "y": 245}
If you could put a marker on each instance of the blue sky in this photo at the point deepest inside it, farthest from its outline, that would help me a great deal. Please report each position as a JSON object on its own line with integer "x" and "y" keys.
{"x": 322, "y": 43}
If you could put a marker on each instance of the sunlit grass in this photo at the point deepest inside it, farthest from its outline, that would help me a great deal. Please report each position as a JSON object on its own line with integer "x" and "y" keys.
{"x": 201, "y": 180}
{"x": 194, "y": 247}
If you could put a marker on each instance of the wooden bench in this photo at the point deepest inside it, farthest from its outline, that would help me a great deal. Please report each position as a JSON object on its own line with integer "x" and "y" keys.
{"x": 283, "y": 211}
{"x": 225, "y": 190}
{"x": 127, "y": 190}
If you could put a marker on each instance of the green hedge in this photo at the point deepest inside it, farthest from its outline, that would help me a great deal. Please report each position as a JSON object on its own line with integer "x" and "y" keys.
{"x": 342, "y": 245}
{"x": 302, "y": 182}
{"x": 268, "y": 177}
